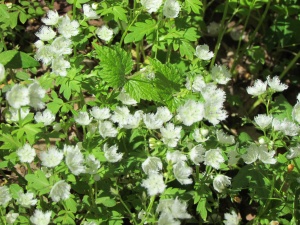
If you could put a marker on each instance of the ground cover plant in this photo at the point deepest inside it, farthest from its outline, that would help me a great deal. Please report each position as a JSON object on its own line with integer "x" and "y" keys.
{"x": 149, "y": 112}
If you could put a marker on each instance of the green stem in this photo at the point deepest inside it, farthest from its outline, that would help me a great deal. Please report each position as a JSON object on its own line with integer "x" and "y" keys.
{"x": 74, "y": 9}
{"x": 291, "y": 64}
{"x": 127, "y": 209}
{"x": 2, "y": 216}
{"x": 138, "y": 57}
{"x": 149, "y": 208}
{"x": 220, "y": 37}
{"x": 168, "y": 53}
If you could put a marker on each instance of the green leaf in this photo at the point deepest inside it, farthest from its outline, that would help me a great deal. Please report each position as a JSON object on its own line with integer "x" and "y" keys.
{"x": 244, "y": 137}
{"x": 202, "y": 209}
{"x": 13, "y": 19}
{"x": 9, "y": 142}
{"x": 23, "y": 17}
{"x": 38, "y": 182}
{"x": 71, "y": 205}
{"x": 14, "y": 190}
{"x": 186, "y": 49}
{"x": 106, "y": 201}
{"x": 193, "y": 5}
{"x": 14, "y": 59}
{"x": 4, "y": 15}
{"x": 284, "y": 108}
{"x": 115, "y": 64}
{"x": 118, "y": 12}
{"x": 31, "y": 131}
{"x": 139, "y": 30}
{"x": 139, "y": 87}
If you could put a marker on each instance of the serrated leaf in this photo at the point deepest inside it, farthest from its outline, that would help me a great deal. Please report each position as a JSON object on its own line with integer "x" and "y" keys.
{"x": 118, "y": 12}
{"x": 193, "y": 5}
{"x": 14, "y": 59}
{"x": 186, "y": 49}
{"x": 9, "y": 142}
{"x": 140, "y": 87}
{"x": 115, "y": 64}
{"x": 38, "y": 182}
{"x": 106, "y": 201}
{"x": 201, "y": 208}
{"x": 139, "y": 30}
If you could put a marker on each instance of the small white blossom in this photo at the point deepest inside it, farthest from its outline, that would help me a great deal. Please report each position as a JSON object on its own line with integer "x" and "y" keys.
{"x": 231, "y": 218}
{"x": 182, "y": 171}
{"x": 175, "y": 208}
{"x": 45, "y": 33}
{"x": 74, "y": 159}
{"x": 170, "y": 134}
{"x": 104, "y": 33}
{"x": 152, "y": 165}
{"x": 100, "y": 113}
{"x": 296, "y": 112}
{"x": 26, "y": 199}
{"x": 5, "y": 196}
{"x": 176, "y": 156}
{"x": 111, "y": 154}
{"x": 11, "y": 217}
{"x": 107, "y": 129}
{"x": 26, "y": 153}
{"x": 220, "y": 74}
{"x": 220, "y": 182}
{"x": 214, "y": 158}
{"x": 14, "y": 114}
{"x": 233, "y": 157}
{"x": 83, "y": 118}
{"x": 40, "y": 218}
{"x": 68, "y": 28}
{"x": 133, "y": 121}
{"x": 60, "y": 191}
{"x": 191, "y": 112}
{"x": 163, "y": 114}
{"x": 152, "y": 122}
{"x": 92, "y": 164}
{"x": 52, "y": 157}
{"x": 294, "y": 152}
{"x": 59, "y": 66}
{"x": 197, "y": 154}
{"x": 89, "y": 13}
{"x": 214, "y": 113}
{"x": 90, "y": 223}
{"x": 258, "y": 88}
{"x": 261, "y": 152}
{"x": 52, "y": 19}
{"x": 198, "y": 83}
{"x": 213, "y": 28}
{"x": 151, "y": 5}
{"x": 2, "y": 72}
{"x": 275, "y": 84}
{"x": 171, "y": 8}
{"x": 36, "y": 94}
{"x": 154, "y": 184}
{"x": 44, "y": 54}
{"x": 120, "y": 115}
{"x": 18, "y": 96}
{"x": 60, "y": 46}
{"x": 287, "y": 127}
{"x": 200, "y": 135}
{"x": 203, "y": 53}
{"x": 263, "y": 120}
{"x": 46, "y": 117}
{"x": 224, "y": 138}
{"x": 126, "y": 99}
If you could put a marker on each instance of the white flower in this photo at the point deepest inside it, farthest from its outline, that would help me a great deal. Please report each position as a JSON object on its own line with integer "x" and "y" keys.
{"x": 100, "y": 113}
{"x": 120, "y": 115}
{"x": 263, "y": 120}
{"x": 261, "y": 152}
{"x": 104, "y": 33}
{"x": 60, "y": 191}
{"x": 18, "y": 96}
{"x": 14, "y": 114}
{"x": 182, "y": 172}
{"x": 83, "y": 118}
{"x": 275, "y": 84}
{"x": 213, "y": 28}
{"x": 152, "y": 122}
{"x": 74, "y": 159}
{"x": 44, "y": 54}
{"x": 296, "y": 112}
{"x": 152, "y": 165}
{"x": 214, "y": 113}
{"x": 220, "y": 182}
{"x": 224, "y": 139}
{"x": 176, "y": 156}
{"x": 197, "y": 154}
{"x": 89, "y": 12}
{"x": 11, "y": 217}
{"x": 151, "y": 5}
{"x": 200, "y": 135}
{"x": 233, "y": 157}
{"x": 133, "y": 121}
{"x": 68, "y": 28}
{"x": 171, "y": 8}
{"x": 170, "y": 134}
{"x": 231, "y": 218}
{"x": 294, "y": 152}
{"x": 285, "y": 126}
{"x": 213, "y": 95}
{"x": 26, "y": 199}
{"x": 5, "y": 196}
{"x": 198, "y": 83}
{"x": 40, "y": 218}
{"x": 61, "y": 46}
{"x": 52, "y": 19}
{"x": 214, "y": 158}
{"x": 174, "y": 207}
{"x": 163, "y": 114}
{"x": 167, "y": 219}
{"x": 252, "y": 154}
{"x": 45, "y": 33}
{"x": 111, "y": 154}
{"x": 36, "y": 94}
{"x": 46, "y": 117}
{"x": 26, "y": 153}
{"x": 125, "y": 98}
{"x": 203, "y": 53}
{"x": 59, "y": 66}
{"x": 220, "y": 74}
{"x": 107, "y": 129}
{"x": 2, "y": 72}
{"x": 90, "y": 223}
{"x": 267, "y": 156}
{"x": 154, "y": 184}
{"x": 191, "y": 112}
{"x": 52, "y": 157}
{"x": 92, "y": 164}
{"x": 39, "y": 44}
{"x": 258, "y": 88}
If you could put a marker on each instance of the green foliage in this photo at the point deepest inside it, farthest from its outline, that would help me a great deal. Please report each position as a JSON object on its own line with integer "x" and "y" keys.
{"x": 140, "y": 29}
{"x": 15, "y": 59}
